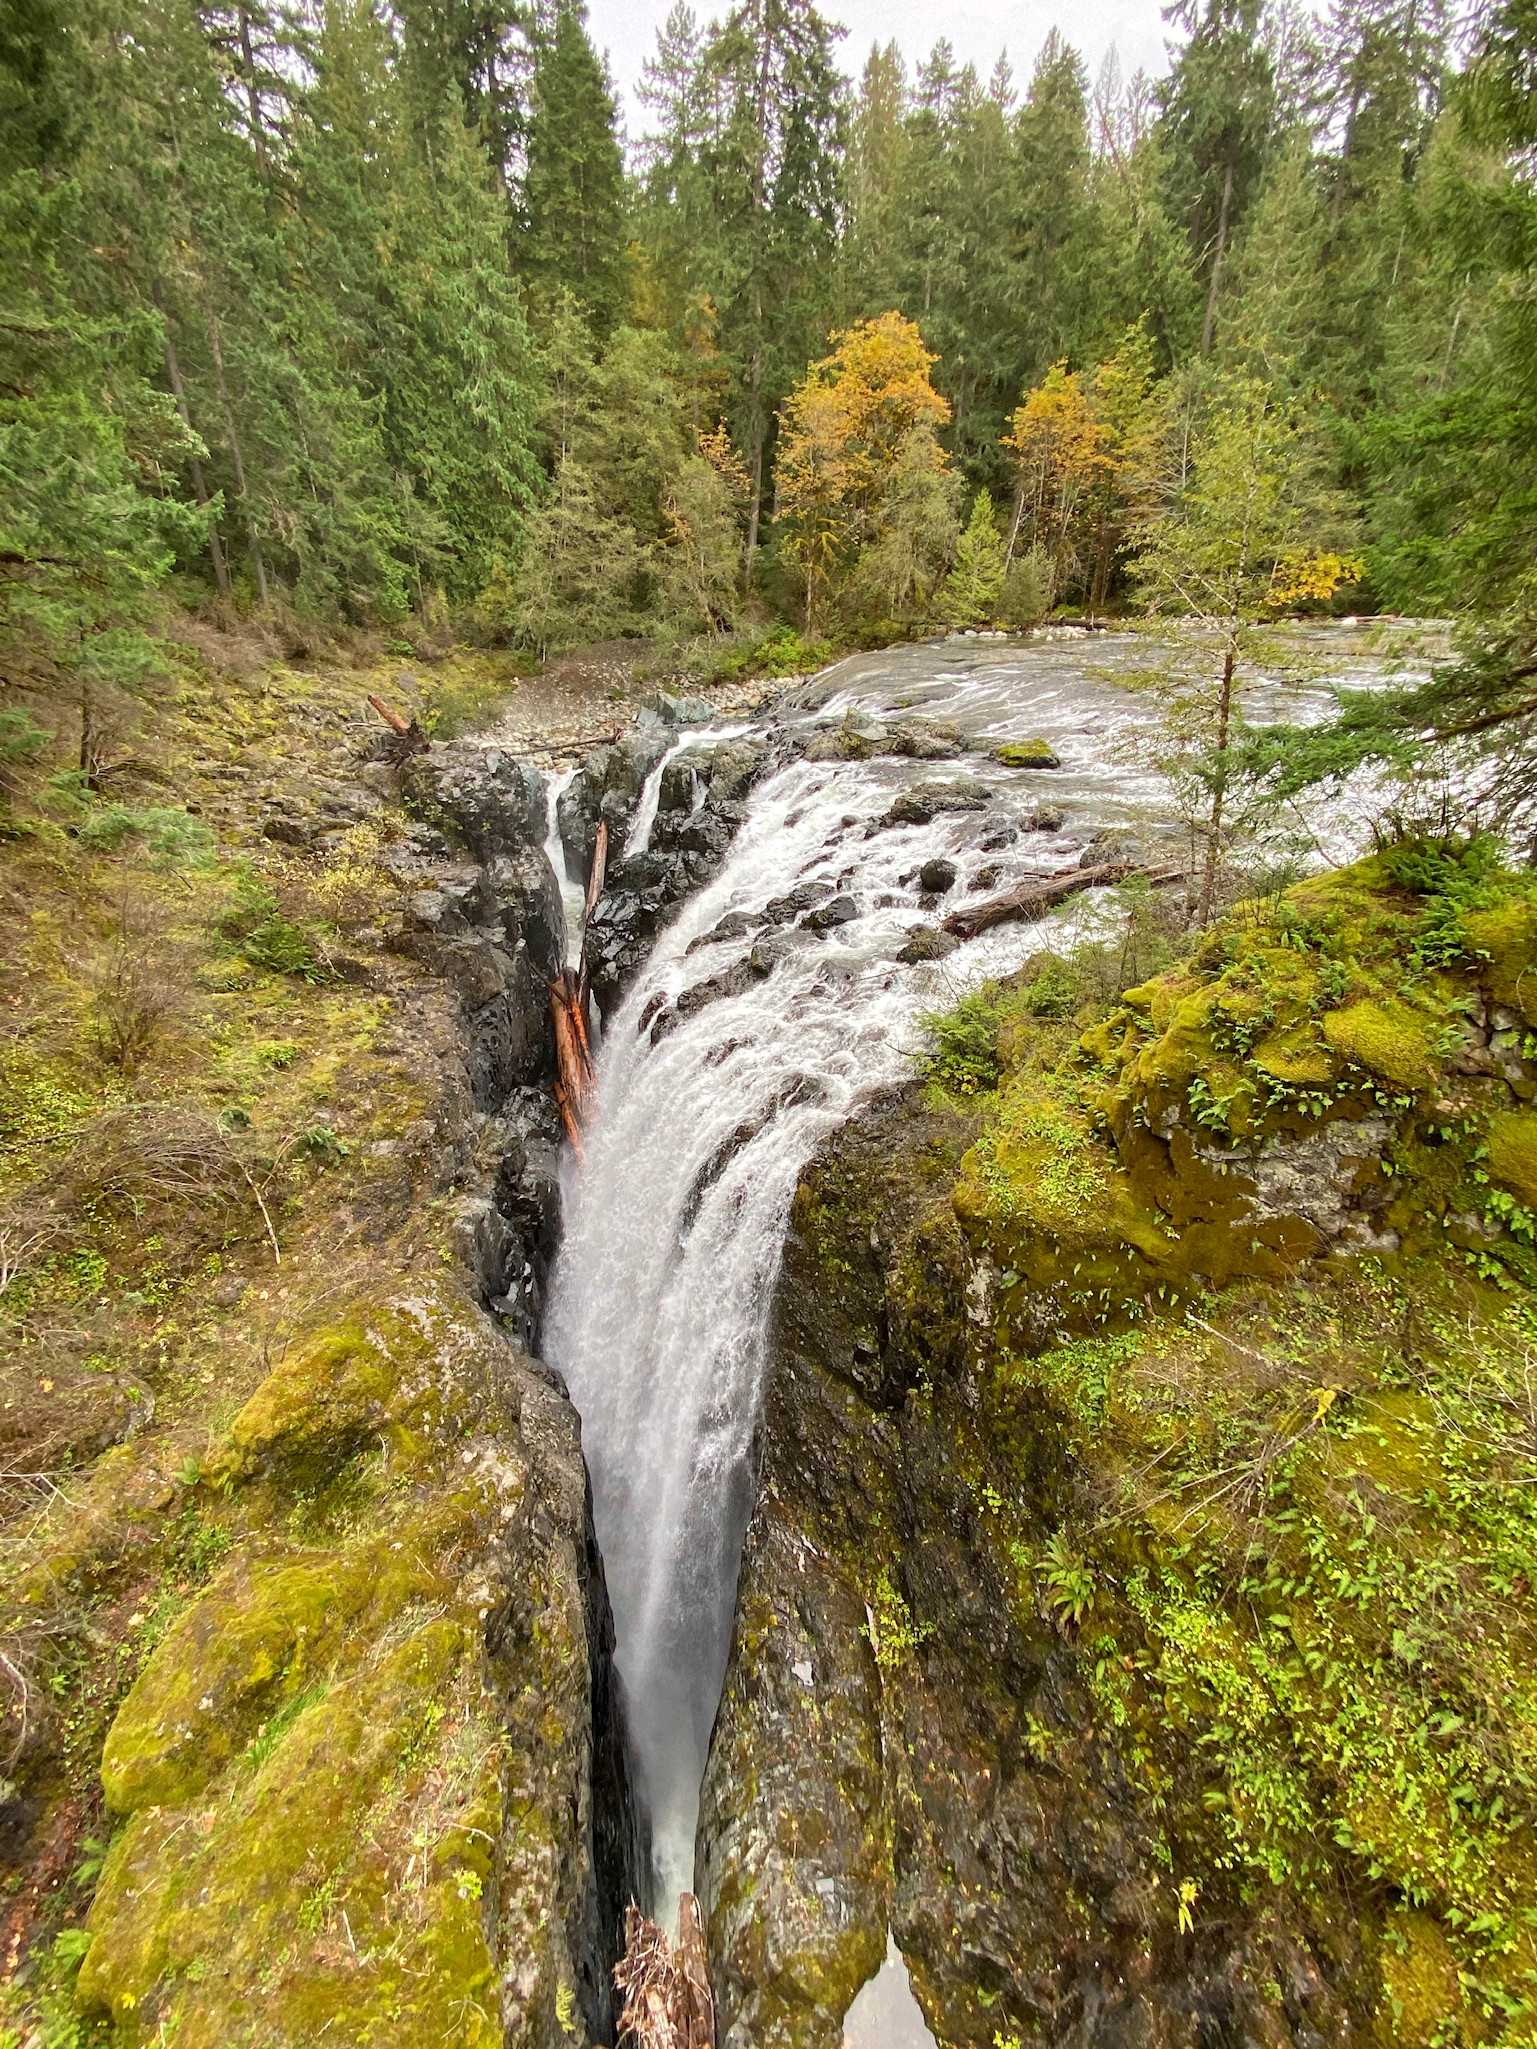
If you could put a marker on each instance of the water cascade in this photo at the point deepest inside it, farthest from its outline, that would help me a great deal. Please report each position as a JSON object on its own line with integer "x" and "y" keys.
{"x": 707, "y": 1115}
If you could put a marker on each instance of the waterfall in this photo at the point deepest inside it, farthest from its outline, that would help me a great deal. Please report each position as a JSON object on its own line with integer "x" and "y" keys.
{"x": 638, "y": 838}
{"x": 572, "y": 890}
{"x": 674, "y": 1223}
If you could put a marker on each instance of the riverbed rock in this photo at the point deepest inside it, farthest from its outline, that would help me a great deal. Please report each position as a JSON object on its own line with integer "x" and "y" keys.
{"x": 927, "y": 942}
{"x": 1026, "y": 754}
{"x": 924, "y": 801}
{"x": 937, "y": 876}
{"x": 838, "y": 910}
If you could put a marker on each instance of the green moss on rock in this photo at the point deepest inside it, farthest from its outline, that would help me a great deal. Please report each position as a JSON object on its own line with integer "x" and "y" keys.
{"x": 1027, "y": 754}
{"x": 282, "y": 1908}
{"x": 1387, "y": 1038}
{"x": 1513, "y": 1153}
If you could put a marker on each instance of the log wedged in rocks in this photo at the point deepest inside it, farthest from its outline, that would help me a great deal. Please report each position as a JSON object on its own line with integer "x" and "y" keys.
{"x": 1033, "y": 899}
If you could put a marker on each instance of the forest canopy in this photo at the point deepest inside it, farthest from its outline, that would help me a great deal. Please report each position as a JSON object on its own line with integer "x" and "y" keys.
{"x": 363, "y": 310}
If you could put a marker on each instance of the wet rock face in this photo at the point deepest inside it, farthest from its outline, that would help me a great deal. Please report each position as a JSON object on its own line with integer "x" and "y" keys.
{"x": 484, "y": 796}
{"x": 485, "y": 913}
{"x": 904, "y": 1741}
{"x": 701, "y": 804}
{"x": 606, "y": 790}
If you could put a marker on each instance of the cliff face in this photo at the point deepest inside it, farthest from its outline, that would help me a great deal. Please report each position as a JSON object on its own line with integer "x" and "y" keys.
{"x": 312, "y": 1731}
{"x": 1135, "y": 1612}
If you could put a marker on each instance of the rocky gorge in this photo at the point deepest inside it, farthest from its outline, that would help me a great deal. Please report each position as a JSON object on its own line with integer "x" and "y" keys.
{"x": 1111, "y": 1398}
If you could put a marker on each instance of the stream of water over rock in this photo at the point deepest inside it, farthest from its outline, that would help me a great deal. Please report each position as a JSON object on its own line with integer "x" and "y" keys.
{"x": 674, "y": 1221}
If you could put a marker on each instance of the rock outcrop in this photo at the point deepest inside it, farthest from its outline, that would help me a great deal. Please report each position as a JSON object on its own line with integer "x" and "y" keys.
{"x": 372, "y": 1777}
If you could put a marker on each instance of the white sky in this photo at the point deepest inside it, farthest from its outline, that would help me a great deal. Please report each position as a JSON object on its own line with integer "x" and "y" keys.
{"x": 627, "y": 30}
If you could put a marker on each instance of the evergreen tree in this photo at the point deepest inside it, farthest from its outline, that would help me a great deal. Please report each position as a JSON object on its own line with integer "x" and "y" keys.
{"x": 1051, "y": 203}
{"x": 878, "y": 145}
{"x": 482, "y": 53}
{"x": 1218, "y": 106}
{"x": 573, "y": 193}
{"x": 773, "y": 167}
{"x": 975, "y": 583}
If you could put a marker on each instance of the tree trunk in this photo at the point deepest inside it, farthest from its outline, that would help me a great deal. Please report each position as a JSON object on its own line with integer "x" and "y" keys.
{"x": 237, "y": 461}
{"x": 1214, "y": 822}
{"x": 1209, "y": 324}
{"x": 1033, "y": 899}
{"x": 199, "y": 483}
{"x": 757, "y": 435}
{"x": 1019, "y": 515}
{"x": 253, "y": 97}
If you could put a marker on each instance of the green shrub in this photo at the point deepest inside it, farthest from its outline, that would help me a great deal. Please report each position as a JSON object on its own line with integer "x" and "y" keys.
{"x": 962, "y": 1053}
{"x": 1026, "y": 595}
{"x": 268, "y": 939}
{"x": 172, "y": 836}
{"x": 1053, "y": 992}
{"x": 22, "y": 739}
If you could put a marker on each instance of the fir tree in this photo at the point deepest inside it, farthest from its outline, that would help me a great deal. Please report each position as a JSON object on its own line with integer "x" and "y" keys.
{"x": 975, "y": 583}
{"x": 573, "y": 193}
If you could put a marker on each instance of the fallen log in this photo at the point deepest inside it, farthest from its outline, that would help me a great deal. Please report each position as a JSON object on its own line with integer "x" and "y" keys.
{"x": 1033, "y": 899}
{"x": 573, "y": 1055}
{"x": 408, "y": 731}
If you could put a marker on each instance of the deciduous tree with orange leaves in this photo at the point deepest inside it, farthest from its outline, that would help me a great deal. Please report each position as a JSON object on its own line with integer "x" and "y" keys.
{"x": 1059, "y": 463}
{"x": 859, "y": 455}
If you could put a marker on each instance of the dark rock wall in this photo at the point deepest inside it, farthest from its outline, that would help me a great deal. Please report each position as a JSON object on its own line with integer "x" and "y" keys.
{"x": 903, "y": 1741}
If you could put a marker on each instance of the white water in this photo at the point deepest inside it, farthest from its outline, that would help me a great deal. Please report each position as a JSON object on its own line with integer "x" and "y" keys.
{"x": 572, "y": 892}
{"x": 674, "y": 1224}
{"x": 886, "y": 2013}
{"x": 638, "y": 838}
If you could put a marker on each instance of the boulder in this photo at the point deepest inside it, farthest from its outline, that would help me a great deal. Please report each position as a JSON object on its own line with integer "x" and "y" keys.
{"x": 924, "y": 801}
{"x": 484, "y": 797}
{"x": 1026, "y": 754}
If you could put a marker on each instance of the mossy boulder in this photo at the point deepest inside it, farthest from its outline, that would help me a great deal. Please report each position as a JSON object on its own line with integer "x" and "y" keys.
{"x": 1026, "y": 754}
{"x": 332, "y": 1394}
{"x": 1513, "y": 1153}
{"x": 304, "y": 1877}
{"x": 1504, "y": 937}
{"x": 360, "y": 1769}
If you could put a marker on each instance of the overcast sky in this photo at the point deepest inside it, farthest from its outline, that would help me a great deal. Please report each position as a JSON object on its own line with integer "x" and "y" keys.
{"x": 978, "y": 30}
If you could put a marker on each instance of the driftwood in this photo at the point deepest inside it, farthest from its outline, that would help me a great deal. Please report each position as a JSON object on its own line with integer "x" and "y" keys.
{"x": 407, "y": 731}
{"x": 696, "y": 1974}
{"x": 573, "y": 1054}
{"x": 667, "y": 2001}
{"x": 1034, "y": 899}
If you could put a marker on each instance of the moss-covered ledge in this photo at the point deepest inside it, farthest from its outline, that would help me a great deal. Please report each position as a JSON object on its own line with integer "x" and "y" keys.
{"x": 352, "y": 1787}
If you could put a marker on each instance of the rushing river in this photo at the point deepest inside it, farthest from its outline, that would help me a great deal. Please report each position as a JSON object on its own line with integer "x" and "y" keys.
{"x": 674, "y": 1223}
